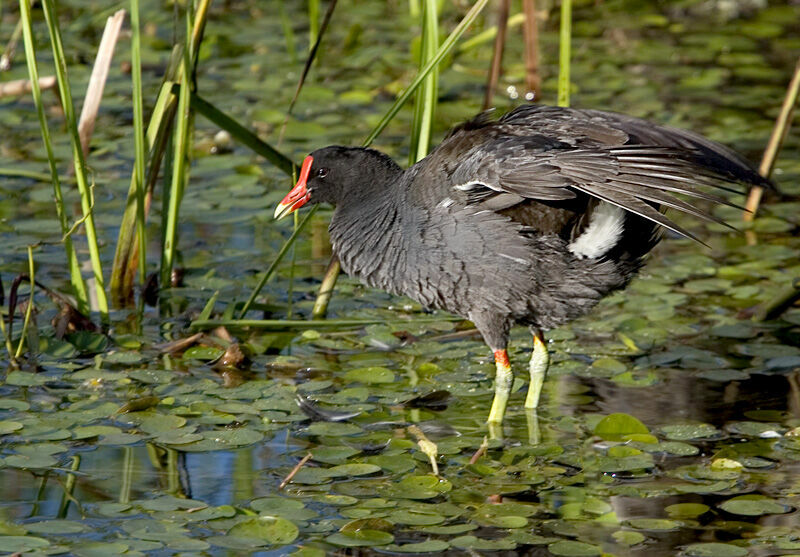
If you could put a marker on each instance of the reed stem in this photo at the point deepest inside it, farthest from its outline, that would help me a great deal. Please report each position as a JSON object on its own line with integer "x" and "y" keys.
{"x": 76, "y": 279}
{"x": 81, "y": 172}
{"x": 564, "y": 52}
{"x": 138, "y": 139}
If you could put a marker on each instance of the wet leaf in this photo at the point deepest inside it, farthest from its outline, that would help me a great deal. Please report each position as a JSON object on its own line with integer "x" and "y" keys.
{"x": 715, "y": 550}
{"x": 569, "y": 548}
{"x": 614, "y": 426}
{"x": 354, "y": 469}
{"x": 428, "y": 546}
{"x": 686, "y": 510}
{"x": 370, "y": 375}
{"x": 267, "y": 530}
{"x": 753, "y": 505}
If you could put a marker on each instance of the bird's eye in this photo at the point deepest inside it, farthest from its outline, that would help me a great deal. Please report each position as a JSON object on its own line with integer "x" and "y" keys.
{"x": 322, "y": 172}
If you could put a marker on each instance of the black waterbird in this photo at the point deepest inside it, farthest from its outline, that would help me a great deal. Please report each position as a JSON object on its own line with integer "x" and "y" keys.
{"x": 529, "y": 219}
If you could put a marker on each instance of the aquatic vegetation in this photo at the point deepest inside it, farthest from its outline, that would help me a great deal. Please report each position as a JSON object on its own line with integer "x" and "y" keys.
{"x": 670, "y": 423}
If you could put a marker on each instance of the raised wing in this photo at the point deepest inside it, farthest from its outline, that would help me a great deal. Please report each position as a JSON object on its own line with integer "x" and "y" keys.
{"x": 637, "y": 178}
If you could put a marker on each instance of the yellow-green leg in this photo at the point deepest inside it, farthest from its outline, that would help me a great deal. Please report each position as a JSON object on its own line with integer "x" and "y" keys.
{"x": 502, "y": 386}
{"x": 540, "y": 360}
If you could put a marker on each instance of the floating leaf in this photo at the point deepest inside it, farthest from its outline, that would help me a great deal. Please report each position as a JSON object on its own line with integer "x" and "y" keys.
{"x": 9, "y": 426}
{"x": 686, "y": 510}
{"x": 568, "y": 548}
{"x": 753, "y": 505}
{"x": 20, "y": 544}
{"x": 614, "y": 426}
{"x": 428, "y": 546}
{"x": 56, "y": 527}
{"x": 354, "y": 469}
{"x": 269, "y": 530}
{"x": 370, "y": 375}
{"x": 626, "y": 537}
{"x": 715, "y": 550}
{"x": 482, "y": 544}
{"x": 360, "y": 538}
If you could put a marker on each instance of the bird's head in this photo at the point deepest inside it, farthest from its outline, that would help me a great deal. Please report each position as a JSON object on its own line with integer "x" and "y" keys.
{"x": 332, "y": 174}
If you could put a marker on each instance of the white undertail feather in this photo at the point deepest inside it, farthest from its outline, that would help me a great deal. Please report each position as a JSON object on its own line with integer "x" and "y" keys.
{"x": 604, "y": 231}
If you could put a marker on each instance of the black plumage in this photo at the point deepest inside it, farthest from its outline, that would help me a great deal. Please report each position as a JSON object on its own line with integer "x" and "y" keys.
{"x": 530, "y": 219}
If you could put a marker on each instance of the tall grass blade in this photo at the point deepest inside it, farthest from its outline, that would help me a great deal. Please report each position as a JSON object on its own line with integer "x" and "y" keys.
{"x": 323, "y": 297}
{"x": 159, "y": 130}
{"x": 300, "y": 324}
{"x": 76, "y": 279}
{"x": 489, "y": 34}
{"x": 313, "y": 22}
{"x": 11, "y": 47}
{"x": 497, "y": 56}
{"x": 138, "y": 139}
{"x": 180, "y": 161}
{"x": 275, "y": 262}
{"x": 29, "y": 309}
{"x": 564, "y": 52}
{"x": 126, "y": 258}
{"x": 444, "y": 50}
{"x": 426, "y": 97}
{"x": 81, "y": 174}
{"x": 292, "y": 264}
{"x": 243, "y": 135}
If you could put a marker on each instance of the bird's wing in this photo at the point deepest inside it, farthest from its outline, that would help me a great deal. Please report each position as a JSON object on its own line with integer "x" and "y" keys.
{"x": 637, "y": 178}
{"x": 599, "y": 128}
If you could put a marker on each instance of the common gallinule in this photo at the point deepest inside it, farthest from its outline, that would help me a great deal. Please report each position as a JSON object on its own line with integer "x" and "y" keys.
{"x": 530, "y": 219}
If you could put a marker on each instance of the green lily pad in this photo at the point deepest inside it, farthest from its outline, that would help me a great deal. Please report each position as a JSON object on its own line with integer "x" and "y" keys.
{"x": 614, "y": 426}
{"x": 753, "y": 505}
{"x": 268, "y": 530}
{"x": 568, "y": 548}
{"x": 715, "y": 550}
{"x": 360, "y": 538}
{"x": 482, "y": 544}
{"x": 626, "y": 537}
{"x": 370, "y": 375}
{"x": 354, "y": 469}
{"x": 686, "y": 510}
{"x": 654, "y": 524}
{"x": 56, "y": 527}
{"x": 9, "y": 426}
{"x": 428, "y": 546}
{"x": 20, "y": 544}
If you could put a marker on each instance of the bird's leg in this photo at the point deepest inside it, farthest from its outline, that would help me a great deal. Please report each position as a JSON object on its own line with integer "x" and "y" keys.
{"x": 534, "y": 435}
{"x": 502, "y": 386}
{"x": 540, "y": 360}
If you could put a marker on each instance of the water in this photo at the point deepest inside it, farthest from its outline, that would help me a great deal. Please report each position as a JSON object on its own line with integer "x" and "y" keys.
{"x": 168, "y": 455}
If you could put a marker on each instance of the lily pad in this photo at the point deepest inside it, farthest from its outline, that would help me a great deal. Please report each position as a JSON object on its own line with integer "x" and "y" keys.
{"x": 715, "y": 550}
{"x": 753, "y": 505}
{"x": 614, "y": 426}
{"x": 266, "y": 530}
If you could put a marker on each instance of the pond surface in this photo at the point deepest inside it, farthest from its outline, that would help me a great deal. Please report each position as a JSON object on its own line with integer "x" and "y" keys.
{"x": 669, "y": 424}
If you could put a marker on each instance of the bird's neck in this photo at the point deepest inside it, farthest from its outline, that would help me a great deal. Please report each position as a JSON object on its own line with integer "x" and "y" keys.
{"x": 369, "y": 235}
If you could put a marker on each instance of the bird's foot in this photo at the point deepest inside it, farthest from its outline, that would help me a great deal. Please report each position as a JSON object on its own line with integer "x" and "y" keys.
{"x": 540, "y": 361}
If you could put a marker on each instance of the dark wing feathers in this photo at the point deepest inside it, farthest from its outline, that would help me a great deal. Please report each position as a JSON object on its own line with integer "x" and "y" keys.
{"x": 599, "y": 128}
{"x": 627, "y": 176}
{"x": 546, "y": 153}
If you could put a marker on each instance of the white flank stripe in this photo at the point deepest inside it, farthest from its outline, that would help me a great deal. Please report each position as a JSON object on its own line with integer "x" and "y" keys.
{"x": 604, "y": 231}
{"x": 474, "y": 184}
